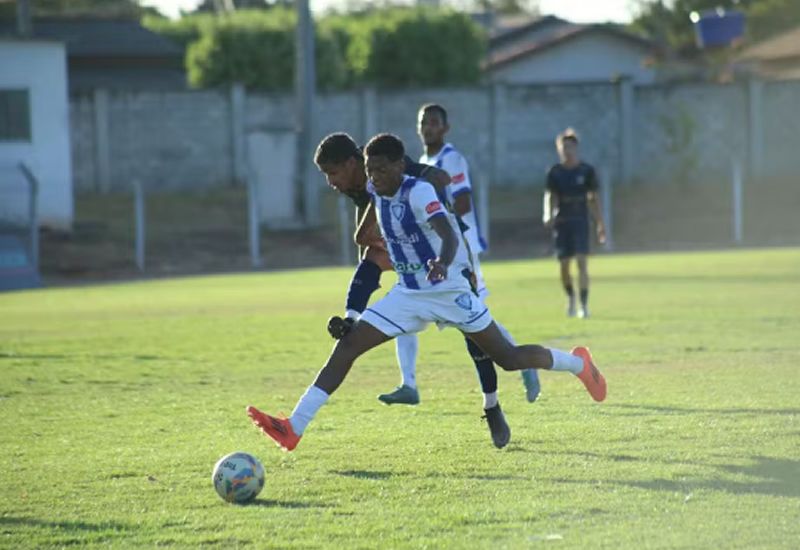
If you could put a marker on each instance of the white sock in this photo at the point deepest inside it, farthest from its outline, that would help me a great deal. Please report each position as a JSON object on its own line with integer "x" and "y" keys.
{"x": 504, "y": 332}
{"x": 352, "y": 314}
{"x": 490, "y": 400}
{"x": 307, "y": 408}
{"x": 407, "y": 345}
{"x": 566, "y": 361}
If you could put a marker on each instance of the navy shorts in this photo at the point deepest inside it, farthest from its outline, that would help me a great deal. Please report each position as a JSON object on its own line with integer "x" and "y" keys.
{"x": 571, "y": 237}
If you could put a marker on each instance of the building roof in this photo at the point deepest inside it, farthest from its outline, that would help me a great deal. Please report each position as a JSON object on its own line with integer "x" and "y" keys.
{"x": 783, "y": 46}
{"x": 561, "y": 33}
{"x": 96, "y": 37}
{"x": 516, "y": 32}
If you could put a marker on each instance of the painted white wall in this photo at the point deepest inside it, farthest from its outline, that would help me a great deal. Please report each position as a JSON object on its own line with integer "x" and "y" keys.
{"x": 586, "y": 58}
{"x": 41, "y": 67}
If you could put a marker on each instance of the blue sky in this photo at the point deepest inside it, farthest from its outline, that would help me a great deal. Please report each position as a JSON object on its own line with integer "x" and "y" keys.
{"x": 574, "y": 10}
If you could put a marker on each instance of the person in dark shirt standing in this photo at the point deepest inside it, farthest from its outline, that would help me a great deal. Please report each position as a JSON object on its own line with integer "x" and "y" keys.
{"x": 571, "y": 197}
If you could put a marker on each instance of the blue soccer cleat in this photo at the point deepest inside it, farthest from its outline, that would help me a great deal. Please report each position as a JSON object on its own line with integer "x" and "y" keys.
{"x": 532, "y": 386}
{"x": 402, "y": 395}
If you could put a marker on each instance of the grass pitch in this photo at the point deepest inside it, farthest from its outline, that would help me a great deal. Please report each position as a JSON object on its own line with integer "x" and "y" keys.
{"x": 115, "y": 402}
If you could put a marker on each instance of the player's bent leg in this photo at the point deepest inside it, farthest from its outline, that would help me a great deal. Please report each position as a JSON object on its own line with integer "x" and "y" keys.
{"x": 493, "y": 414}
{"x": 530, "y": 377}
{"x": 487, "y": 375}
{"x": 583, "y": 280}
{"x": 286, "y": 432}
{"x": 508, "y": 357}
{"x": 362, "y": 338}
{"x": 564, "y": 261}
{"x": 406, "y": 393}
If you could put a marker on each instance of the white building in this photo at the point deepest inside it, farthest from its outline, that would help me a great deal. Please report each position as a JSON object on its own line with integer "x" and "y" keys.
{"x": 551, "y": 51}
{"x": 34, "y": 124}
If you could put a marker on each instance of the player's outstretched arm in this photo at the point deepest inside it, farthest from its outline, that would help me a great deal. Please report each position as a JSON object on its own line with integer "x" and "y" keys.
{"x": 463, "y": 203}
{"x": 438, "y": 267}
{"x": 550, "y": 207}
{"x": 438, "y": 177}
{"x": 367, "y": 231}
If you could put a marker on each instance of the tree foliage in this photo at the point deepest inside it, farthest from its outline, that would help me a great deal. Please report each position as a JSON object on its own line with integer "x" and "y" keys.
{"x": 395, "y": 47}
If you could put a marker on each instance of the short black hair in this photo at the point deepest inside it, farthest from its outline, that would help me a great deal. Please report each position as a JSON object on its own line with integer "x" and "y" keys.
{"x": 336, "y": 149}
{"x": 436, "y": 108}
{"x": 386, "y": 145}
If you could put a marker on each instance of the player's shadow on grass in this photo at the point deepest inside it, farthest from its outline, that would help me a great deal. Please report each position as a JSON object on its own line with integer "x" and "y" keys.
{"x": 775, "y": 477}
{"x": 649, "y": 410}
{"x": 65, "y": 526}
{"x": 375, "y": 475}
{"x": 59, "y": 356}
{"x": 366, "y": 474}
{"x": 287, "y": 504}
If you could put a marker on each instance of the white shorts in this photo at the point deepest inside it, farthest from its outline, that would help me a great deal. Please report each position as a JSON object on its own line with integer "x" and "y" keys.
{"x": 404, "y": 311}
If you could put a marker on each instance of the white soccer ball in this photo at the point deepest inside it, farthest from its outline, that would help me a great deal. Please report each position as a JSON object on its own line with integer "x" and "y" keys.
{"x": 238, "y": 477}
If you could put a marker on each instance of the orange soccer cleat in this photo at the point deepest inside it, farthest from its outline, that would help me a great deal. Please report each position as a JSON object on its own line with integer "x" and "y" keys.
{"x": 279, "y": 429}
{"x": 590, "y": 376}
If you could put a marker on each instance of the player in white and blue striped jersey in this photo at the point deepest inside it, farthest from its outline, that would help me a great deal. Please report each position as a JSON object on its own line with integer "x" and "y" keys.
{"x": 432, "y": 265}
{"x": 432, "y": 127}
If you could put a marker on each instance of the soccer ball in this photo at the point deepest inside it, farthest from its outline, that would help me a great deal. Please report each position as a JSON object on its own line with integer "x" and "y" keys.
{"x": 238, "y": 477}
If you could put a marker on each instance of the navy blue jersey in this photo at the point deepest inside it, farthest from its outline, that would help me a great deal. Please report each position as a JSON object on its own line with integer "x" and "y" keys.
{"x": 572, "y": 185}
{"x": 414, "y": 169}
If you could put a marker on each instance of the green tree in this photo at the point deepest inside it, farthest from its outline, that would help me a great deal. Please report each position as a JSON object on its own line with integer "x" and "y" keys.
{"x": 766, "y": 18}
{"x": 396, "y": 47}
{"x": 508, "y": 7}
{"x": 405, "y": 47}
{"x": 256, "y": 48}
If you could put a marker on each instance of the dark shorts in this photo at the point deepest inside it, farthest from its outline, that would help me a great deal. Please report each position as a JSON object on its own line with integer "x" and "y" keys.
{"x": 571, "y": 238}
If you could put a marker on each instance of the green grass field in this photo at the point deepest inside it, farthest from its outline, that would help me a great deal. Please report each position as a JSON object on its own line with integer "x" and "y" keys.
{"x": 116, "y": 401}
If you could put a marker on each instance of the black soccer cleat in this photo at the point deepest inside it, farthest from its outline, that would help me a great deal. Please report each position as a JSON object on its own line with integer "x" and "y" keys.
{"x": 339, "y": 327}
{"x": 501, "y": 433}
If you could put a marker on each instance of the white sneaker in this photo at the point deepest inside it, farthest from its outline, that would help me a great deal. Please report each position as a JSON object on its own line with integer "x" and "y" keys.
{"x": 583, "y": 313}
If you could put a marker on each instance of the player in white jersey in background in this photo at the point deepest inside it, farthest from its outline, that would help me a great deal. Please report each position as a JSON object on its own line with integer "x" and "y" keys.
{"x": 432, "y": 127}
{"x": 432, "y": 265}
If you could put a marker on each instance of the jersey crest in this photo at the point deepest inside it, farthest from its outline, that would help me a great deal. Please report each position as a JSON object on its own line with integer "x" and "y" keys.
{"x": 464, "y": 301}
{"x": 398, "y": 211}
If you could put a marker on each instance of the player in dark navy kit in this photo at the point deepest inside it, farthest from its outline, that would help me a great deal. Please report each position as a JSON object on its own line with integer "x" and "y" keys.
{"x": 571, "y": 198}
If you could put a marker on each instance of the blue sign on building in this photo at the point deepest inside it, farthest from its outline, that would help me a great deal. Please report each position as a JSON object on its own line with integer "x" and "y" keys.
{"x": 718, "y": 28}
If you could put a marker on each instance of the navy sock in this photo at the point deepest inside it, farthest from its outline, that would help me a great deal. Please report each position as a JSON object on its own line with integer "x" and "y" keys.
{"x": 584, "y": 296}
{"x": 569, "y": 290}
{"x": 486, "y": 372}
{"x": 366, "y": 280}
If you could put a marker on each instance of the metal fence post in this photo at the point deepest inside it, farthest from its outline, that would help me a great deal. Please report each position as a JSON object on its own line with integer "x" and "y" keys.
{"x": 33, "y": 214}
{"x": 607, "y": 197}
{"x": 253, "y": 221}
{"x": 139, "y": 218}
{"x": 736, "y": 182}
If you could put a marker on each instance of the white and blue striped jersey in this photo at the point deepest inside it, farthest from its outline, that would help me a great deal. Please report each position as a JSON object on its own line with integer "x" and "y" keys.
{"x": 411, "y": 241}
{"x": 454, "y": 163}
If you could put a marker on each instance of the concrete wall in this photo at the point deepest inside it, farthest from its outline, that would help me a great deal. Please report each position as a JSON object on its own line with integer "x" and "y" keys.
{"x": 40, "y": 67}
{"x": 586, "y": 58}
{"x": 686, "y": 133}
